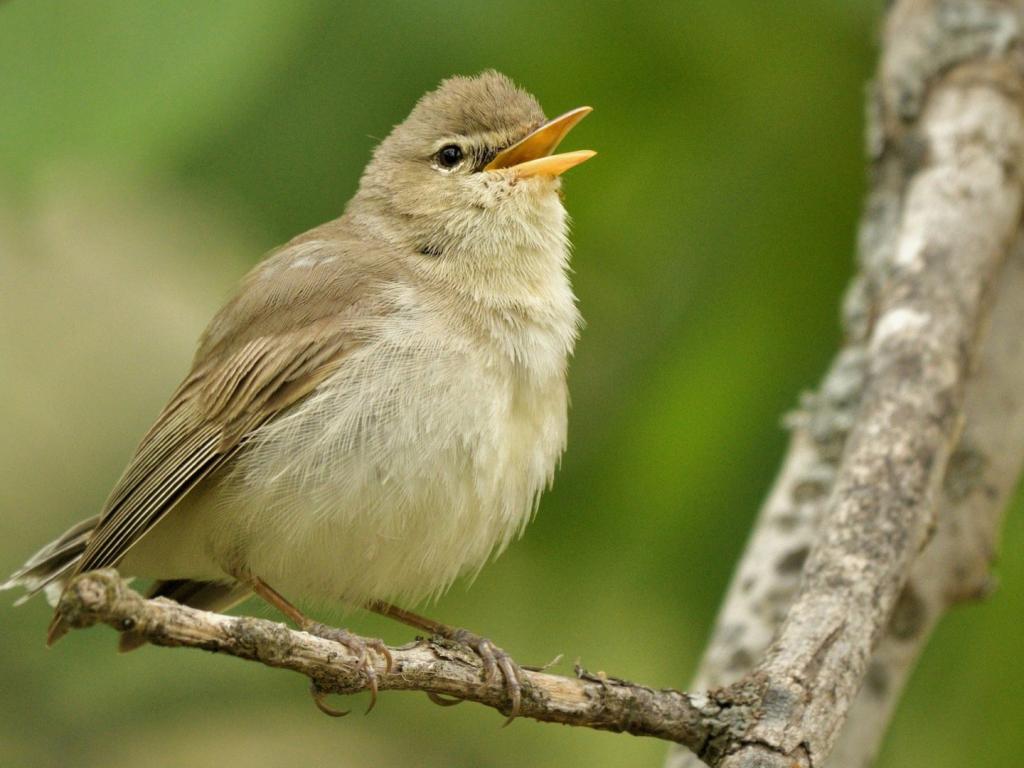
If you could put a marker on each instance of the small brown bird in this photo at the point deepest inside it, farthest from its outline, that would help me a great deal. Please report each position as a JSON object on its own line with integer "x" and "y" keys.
{"x": 379, "y": 407}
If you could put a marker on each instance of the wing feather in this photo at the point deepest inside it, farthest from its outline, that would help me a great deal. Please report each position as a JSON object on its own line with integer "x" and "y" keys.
{"x": 198, "y": 438}
{"x": 239, "y": 380}
{"x": 123, "y": 524}
{"x": 282, "y": 335}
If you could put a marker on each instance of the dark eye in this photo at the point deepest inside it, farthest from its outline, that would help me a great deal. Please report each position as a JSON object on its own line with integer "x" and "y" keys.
{"x": 449, "y": 156}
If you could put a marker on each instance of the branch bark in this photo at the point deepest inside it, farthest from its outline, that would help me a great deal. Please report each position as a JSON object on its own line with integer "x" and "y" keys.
{"x": 945, "y": 200}
{"x": 954, "y": 567}
{"x": 432, "y": 665}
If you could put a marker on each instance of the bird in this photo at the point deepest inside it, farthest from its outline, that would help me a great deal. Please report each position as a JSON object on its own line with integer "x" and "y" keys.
{"x": 378, "y": 408}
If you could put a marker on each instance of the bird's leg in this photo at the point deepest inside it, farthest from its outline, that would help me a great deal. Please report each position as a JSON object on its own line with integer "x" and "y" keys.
{"x": 358, "y": 645}
{"x": 492, "y": 657}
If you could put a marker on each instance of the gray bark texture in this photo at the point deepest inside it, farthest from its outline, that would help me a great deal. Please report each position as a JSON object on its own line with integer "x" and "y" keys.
{"x": 887, "y": 508}
{"x": 434, "y": 665}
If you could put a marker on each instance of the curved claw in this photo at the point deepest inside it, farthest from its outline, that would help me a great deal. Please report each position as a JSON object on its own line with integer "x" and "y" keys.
{"x": 327, "y": 709}
{"x": 485, "y": 649}
{"x": 378, "y": 647}
{"x": 512, "y": 683}
{"x": 441, "y": 701}
{"x": 358, "y": 646}
{"x": 493, "y": 659}
{"x": 371, "y": 682}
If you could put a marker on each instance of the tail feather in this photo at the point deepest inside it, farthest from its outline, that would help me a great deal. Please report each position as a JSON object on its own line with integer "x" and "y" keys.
{"x": 49, "y": 568}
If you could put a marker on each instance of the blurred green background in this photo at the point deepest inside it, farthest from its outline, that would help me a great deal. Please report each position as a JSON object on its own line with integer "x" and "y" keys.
{"x": 150, "y": 152}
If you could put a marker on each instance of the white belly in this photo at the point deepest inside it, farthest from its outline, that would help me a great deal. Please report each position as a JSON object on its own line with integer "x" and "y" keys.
{"x": 407, "y": 468}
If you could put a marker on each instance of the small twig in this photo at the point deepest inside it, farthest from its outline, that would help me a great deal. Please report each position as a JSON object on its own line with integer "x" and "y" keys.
{"x": 436, "y": 666}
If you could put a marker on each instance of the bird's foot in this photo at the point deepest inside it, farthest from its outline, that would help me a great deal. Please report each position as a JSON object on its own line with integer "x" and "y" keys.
{"x": 359, "y": 646}
{"x": 494, "y": 659}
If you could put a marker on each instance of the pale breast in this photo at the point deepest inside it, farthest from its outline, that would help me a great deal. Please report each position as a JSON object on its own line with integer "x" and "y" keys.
{"x": 423, "y": 455}
{"x": 410, "y": 466}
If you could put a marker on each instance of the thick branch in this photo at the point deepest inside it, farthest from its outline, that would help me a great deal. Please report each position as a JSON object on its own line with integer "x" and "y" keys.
{"x": 946, "y": 137}
{"x": 955, "y": 565}
{"x": 960, "y": 212}
{"x": 434, "y": 665}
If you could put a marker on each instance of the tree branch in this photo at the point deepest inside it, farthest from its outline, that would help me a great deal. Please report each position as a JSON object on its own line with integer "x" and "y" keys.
{"x": 433, "y": 665}
{"x": 955, "y": 565}
{"x": 863, "y": 478}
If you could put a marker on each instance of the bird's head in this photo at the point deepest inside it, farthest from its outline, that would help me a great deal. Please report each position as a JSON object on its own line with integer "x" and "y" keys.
{"x": 470, "y": 180}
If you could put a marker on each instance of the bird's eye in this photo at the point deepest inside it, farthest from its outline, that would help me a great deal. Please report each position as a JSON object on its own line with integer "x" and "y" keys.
{"x": 449, "y": 156}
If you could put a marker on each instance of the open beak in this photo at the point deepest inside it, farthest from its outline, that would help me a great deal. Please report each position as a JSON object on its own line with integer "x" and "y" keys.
{"x": 532, "y": 156}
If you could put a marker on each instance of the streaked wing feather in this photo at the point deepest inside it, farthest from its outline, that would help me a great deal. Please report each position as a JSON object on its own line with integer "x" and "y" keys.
{"x": 269, "y": 347}
{"x": 194, "y": 457}
{"x": 202, "y": 427}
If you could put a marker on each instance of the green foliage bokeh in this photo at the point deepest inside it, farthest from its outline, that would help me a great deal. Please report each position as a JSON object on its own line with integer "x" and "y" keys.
{"x": 150, "y": 152}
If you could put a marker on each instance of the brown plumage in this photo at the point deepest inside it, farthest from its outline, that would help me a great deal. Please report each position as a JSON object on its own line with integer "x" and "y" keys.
{"x": 380, "y": 405}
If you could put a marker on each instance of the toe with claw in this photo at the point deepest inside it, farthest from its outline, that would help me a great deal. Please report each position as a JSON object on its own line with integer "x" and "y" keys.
{"x": 494, "y": 659}
{"x": 319, "y": 697}
{"x": 359, "y": 647}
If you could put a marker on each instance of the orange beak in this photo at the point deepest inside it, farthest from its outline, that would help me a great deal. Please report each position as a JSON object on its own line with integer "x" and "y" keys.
{"x": 531, "y": 156}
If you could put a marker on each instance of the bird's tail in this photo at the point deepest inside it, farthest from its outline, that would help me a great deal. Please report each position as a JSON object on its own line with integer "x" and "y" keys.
{"x": 48, "y": 569}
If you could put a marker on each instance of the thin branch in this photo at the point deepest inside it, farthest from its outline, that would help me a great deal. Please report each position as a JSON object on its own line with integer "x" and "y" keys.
{"x": 432, "y": 665}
